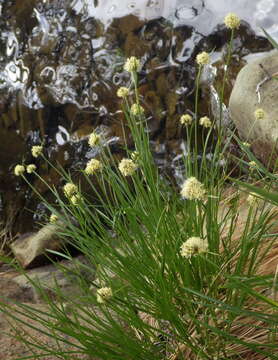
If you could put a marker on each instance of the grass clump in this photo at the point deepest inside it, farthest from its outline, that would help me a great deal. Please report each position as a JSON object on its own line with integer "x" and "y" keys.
{"x": 178, "y": 273}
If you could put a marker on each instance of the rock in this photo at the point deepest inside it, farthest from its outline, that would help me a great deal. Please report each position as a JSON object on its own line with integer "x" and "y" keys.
{"x": 261, "y": 134}
{"x": 29, "y": 250}
{"x": 66, "y": 276}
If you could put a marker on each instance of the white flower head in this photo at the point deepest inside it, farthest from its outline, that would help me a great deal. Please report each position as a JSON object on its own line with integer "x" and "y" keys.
{"x": 127, "y": 167}
{"x": 92, "y": 166}
{"x": 193, "y": 246}
{"x": 132, "y": 64}
{"x": 203, "y": 58}
{"x": 94, "y": 139}
{"x": 259, "y": 114}
{"x": 136, "y": 110}
{"x": 104, "y": 294}
{"x": 252, "y": 165}
{"x": 122, "y": 92}
{"x": 70, "y": 189}
{"x": 37, "y": 150}
{"x": 205, "y": 122}
{"x": 19, "y": 170}
{"x": 186, "y": 119}
{"x": 53, "y": 219}
{"x": 193, "y": 189}
{"x": 75, "y": 199}
{"x": 232, "y": 21}
{"x": 31, "y": 168}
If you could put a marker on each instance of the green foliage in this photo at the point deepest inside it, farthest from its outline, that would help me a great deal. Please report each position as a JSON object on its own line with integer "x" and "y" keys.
{"x": 212, "y": 305}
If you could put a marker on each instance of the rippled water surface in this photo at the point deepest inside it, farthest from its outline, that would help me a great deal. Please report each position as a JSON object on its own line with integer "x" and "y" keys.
{"x": 61, "y": 64}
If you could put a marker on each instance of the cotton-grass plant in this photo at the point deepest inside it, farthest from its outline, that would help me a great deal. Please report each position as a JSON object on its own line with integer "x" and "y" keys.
{"x": 174, "y": 278}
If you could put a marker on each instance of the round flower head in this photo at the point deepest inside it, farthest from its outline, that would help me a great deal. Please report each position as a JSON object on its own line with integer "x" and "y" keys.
{"x": 193, "y": 246}
{"x": 252, "y": 165}
{"x": 94, "y": 139}
{"x": 31, "y": 168}
{"x": 36, "y": 150}
{"x": 136, "y": 109}
{"x": 19, "y": 170}
{"x": 232, "y": 21}
{"x": 193, "y": 189}
{"x": 70, "y": 189}
{"x": 253, "y": 199}
{"x": 205, "y": 122}
{"x": 92, "y": 166}
{"x": 122, "y": 92}
{"x": 259, "y": 114}
{"x": 127, "y": 167}
{"x": 53, "y": 219}
{"x": 186, "y": 119}
{"x": 132, "y": 64}
{"x": 203, "y": 58}
{"x": 75, "y": 199}
{"x": 104, "y": 294}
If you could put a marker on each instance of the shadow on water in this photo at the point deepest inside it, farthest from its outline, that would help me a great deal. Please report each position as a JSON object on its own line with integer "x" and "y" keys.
{"x": 61, "y": 64}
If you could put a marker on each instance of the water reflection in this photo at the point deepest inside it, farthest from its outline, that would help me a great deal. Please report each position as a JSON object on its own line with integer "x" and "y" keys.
{"x": 61, "y": 64}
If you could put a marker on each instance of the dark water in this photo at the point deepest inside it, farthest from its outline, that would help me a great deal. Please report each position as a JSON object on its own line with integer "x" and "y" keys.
{"x": 61, "y": 64}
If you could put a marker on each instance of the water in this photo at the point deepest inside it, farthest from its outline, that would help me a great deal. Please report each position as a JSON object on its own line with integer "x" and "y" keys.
{"x": 61, "y": 64}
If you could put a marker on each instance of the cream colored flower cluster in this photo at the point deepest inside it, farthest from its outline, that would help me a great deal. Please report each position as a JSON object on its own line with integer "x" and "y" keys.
{"x": 259, "y": 114}
{"x": 205, "y": 122}
{"x": 70, "y": 189}
{"x": 53, "y": 219}
{"x": 127, "y": 167}
{"x": 104, "y": 294}
{"x": 132, "y": 64}
{"x": 94, "y": 139}
{"x": 232, "y": 21}
{"x": 92, "y": 166}
{"x": 136, "y": 110}
{"x": 193, "y": 246}
{"x": 122, "y": 92}
{"x": 20, "y": 169}
{"x": 36, "y": 150}
{"x": 193, "y": 189}
{"x": 203, "y": 58}
{"x": 186, "y": 119}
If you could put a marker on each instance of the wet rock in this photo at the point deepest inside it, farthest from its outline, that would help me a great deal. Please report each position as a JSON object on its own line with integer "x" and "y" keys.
{"x": 31, "y": 249}
{"x": 262, "y": 134}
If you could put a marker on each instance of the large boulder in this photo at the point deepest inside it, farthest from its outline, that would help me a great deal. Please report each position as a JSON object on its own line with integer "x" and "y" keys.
{"x": 262, "y": 134}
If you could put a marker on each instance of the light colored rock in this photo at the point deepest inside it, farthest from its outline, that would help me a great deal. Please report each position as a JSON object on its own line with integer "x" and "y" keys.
{"x": 263, "y": 133}
{"x": 29, "y": 250}
{"x": 65, "y": 275}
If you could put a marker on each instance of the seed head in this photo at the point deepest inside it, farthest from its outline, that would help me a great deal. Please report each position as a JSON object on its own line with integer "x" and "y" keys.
{"x": 193, "y": 246}
{"x": 31, "y": 168}
{"x": 259, "y": 114}
{"x": 132, "y": 64}
{"x": 92, "y": 166}
{"x": 136, "y": 110}
{"x": 127, "y": 167}
{"x": 193, "y": 189}
{"x": 232, "y": 21}
{"x": 205, "y": 122}
{"x": 36, "y": 150}
{"x": 53, "y": 219}
{"x": 203, "y": 58}
{"x": 94, "y": 139}
{"x": 19, "y": 170}
{"x": 104, "y": 294}
{"x": 122, "y": 92}
{"x": 186, "y": 119}
{"x": 70, "y": 189}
